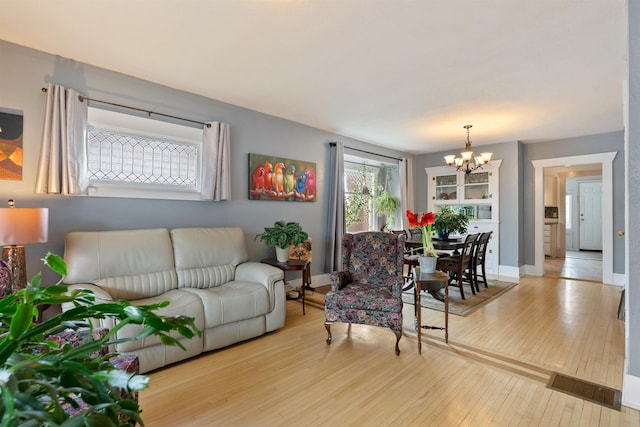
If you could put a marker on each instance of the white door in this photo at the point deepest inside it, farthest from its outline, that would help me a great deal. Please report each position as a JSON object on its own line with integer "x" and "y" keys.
{"x": 590, "y": 196}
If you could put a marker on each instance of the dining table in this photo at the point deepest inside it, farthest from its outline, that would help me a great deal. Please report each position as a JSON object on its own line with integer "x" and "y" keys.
{"x": 438, "y": 244}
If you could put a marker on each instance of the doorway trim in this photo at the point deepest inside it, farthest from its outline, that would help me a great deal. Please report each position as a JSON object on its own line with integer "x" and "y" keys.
{"x": 606, "y": 159}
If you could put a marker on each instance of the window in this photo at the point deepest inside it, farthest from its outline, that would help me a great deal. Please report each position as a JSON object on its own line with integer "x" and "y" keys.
{"x": 364, "y": 181}
{"x": 568, "y": 205}
{"x": 359, "y": 182}
{"x": 131, "y": 156}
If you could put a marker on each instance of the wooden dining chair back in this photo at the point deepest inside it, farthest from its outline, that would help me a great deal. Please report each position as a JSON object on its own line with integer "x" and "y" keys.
{"x": 459, "y": 265}
{"x": 415, "y": 234}
{"x": 480, "y": 259}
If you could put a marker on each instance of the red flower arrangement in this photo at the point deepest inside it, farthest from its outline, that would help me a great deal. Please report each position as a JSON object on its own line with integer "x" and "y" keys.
{"x": 424, "y": 221}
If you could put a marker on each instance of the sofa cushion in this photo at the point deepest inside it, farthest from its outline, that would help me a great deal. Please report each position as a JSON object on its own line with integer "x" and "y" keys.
{"x": 207, "y": 257}
{"x": 128, "y": 264}
{"x": 232, "y": 302}
{"x": 180, "y": 304}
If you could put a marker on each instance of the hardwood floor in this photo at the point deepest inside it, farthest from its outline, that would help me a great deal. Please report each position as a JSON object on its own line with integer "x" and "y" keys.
{"x": 585, "y": 265}
{"x": 493, "y": 372}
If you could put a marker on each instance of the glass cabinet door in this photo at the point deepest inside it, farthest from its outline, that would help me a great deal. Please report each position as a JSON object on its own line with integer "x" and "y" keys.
{"x": 476, "y": 186}
{"x": 446, "y": 187}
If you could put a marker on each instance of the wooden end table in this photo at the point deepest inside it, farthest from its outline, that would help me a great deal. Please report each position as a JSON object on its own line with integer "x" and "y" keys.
{"x": 292, "y": 265}
{"x": 433, "y": 282}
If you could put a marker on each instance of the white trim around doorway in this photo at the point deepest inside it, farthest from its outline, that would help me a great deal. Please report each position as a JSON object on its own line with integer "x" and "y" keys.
{"x": 606, "y": 159}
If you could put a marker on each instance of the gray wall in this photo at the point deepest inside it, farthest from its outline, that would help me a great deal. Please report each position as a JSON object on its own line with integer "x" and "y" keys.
{"x": 25, "y": 71}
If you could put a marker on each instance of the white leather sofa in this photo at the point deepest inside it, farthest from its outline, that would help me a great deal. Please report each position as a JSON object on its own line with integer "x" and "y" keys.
{"x": 202, "y": 272}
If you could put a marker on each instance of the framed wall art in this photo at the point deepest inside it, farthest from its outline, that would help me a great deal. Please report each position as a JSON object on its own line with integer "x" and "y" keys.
{"x": 277, "y": 178}
{"x": 11, "y": 146}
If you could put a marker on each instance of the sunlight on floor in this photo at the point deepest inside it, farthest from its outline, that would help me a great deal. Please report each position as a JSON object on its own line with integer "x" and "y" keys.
{"x": 585, "y": 265}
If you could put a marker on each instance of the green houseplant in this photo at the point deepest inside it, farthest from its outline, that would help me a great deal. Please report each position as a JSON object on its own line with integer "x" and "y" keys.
{"x": 282, "y": 235}
{"x": 450, "y": 220}
{"x": 386, "y": 204}
{"x": 40, "y": 380}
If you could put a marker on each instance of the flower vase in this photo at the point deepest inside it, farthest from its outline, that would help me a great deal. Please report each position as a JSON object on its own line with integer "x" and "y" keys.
{"x": 427, "y": 264}
{"x": 282, "y": 255}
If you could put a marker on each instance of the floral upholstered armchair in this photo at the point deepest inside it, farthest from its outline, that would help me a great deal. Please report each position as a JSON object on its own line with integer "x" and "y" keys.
{"x": 368, "y": 290}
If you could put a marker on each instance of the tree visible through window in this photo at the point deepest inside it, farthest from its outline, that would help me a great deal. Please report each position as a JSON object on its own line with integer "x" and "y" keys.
{"x": 368, "y": 195}
{"x": 359, "y": 181}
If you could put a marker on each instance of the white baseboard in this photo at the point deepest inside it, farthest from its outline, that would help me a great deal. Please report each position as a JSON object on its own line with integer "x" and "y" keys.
{"x": 510, "y": 272}
{"x": 529, "y": 270}
{"x": 619, "y": 279}
{"x": 631, "y": 391}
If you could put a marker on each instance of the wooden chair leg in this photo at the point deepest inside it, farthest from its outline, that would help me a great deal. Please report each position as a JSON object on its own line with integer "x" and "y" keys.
{"x": 398, "y": 336}
{"x": 328, "y": 328}
{"x": 484, "y": 276}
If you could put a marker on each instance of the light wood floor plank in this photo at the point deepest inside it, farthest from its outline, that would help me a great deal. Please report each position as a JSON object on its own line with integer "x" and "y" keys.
{"x": 493, "y": 372}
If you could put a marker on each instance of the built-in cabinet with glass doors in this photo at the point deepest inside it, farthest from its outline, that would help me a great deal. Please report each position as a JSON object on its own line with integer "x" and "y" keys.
{"x": 476, "y": 194}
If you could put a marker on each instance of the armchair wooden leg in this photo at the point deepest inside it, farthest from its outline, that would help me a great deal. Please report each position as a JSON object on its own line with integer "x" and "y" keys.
{"x": 328, "y": 328}
{"x": 398, "y": 336}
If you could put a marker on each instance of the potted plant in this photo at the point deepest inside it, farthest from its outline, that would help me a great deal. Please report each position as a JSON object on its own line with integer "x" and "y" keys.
{"x": 47, "y": 382}
{"x": 282, "y": 235}
{"x": 386, "y": 204}
{"x": 450, "y": 220}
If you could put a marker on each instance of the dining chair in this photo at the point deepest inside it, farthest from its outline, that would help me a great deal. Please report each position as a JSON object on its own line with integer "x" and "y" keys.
{"x": 480, "y": 259}
{"x": 368, "y": 289}
{"x": 459, "y": 265}
{"x": 410, "y": 261}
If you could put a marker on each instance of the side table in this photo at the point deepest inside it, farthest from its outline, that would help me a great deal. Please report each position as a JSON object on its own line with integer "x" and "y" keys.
{"x": 432, "y": 282}
{"x": 292, "y": 265}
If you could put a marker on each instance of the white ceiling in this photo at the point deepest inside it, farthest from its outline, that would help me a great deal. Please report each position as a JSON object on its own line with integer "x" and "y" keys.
{"x": 398, "y": 73}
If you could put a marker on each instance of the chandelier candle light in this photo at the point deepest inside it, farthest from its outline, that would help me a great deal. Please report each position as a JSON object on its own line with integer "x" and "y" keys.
{"x": 425, "y": 222}
{"x": 468, "y": 162}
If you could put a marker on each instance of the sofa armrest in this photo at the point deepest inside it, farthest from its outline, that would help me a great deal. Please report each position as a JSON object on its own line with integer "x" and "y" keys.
{"x": 101, "y": 295}
{"x": 257, "y": 272}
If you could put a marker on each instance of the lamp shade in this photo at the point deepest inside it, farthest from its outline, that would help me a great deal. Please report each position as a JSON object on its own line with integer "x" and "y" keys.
{"x": 20, "y": 226}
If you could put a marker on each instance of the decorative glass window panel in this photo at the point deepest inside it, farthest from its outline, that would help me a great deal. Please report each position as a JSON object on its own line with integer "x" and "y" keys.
{"x": 134, "y": 159}
{"x": 134, "y": 156}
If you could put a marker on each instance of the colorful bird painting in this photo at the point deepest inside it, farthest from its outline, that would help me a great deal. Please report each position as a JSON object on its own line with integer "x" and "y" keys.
{"x": 268, "y": 176}
{"x": 290, "y": 179}
{"x": 300, "y": 185}
{"x": 281, "y": 179}
{"x": 278, "y": 178}
{"x": 258, "y": 182}
{"x": 310, "y": 186}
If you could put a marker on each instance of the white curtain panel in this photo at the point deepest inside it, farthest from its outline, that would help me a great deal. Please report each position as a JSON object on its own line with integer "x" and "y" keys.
{"x": 407, "y": 201}
{"x": 62, "y": 166}
{"x": 216, "y": 162}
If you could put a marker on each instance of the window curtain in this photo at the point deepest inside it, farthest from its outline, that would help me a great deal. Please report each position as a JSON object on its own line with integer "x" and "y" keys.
{"x": 335, "y": 226}
{"x": 216, "y": 162}
{"x": 62, "y": 166}
{"x": 407, "y": 201}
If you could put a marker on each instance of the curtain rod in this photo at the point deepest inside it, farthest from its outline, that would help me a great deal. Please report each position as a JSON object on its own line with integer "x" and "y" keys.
{"x": 83, "y": 98}
{"x": 368, "y": 152}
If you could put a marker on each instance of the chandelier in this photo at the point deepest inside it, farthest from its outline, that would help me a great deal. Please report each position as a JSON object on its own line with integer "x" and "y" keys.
{"x": 468, "y": 162}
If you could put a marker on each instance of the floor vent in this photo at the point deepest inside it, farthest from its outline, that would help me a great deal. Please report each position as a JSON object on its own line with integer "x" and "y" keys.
{"x": 595, "y": 393}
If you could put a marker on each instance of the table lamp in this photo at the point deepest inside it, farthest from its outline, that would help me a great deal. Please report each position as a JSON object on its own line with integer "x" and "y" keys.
{"x": 20, "y": 226}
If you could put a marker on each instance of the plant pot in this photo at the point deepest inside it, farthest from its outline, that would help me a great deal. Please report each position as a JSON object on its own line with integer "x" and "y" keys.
{"x": 427, "y": 264}
{"x": 442, "y": 236}
{"x": 282, "y": 255}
